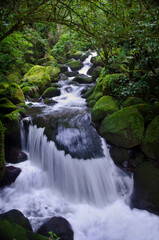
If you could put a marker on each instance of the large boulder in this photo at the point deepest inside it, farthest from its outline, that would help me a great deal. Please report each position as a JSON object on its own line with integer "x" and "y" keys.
{"x": 15, "y": 155}
{"x": 41, "y": 76}
{"x": 103, "y": 107}
{"x": 12, "y": 92}
{"x": 76, "y": 55}
{"x": 96, "y": 73}
{"x": 10, "y": 175}
{"x": 70, "y": 74}
{"x": 10, "y": 231}
{"x": 2, "y": 156}
{"x": 84, "y": 56}
{"x": 146, "y": 185}
{"x": 15, "y": 216}
{"x": 6, "y": 106}
{"x": 89, "y": 92}
{"x": 124, "y": 128}
{"x": 51, "y": 92}
{"x": 58, "y": 225}
{"x": 97, "y": 61}
{"x": 75, "y": 65}
{"x": 150, "y": 144}
{"x": 82, "y": 78}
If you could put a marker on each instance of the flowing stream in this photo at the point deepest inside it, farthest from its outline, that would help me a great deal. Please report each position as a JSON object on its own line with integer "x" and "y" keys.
{"x": 70, "y": 173}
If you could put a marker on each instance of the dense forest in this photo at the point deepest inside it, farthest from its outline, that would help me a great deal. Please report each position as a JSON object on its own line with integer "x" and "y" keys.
{"x": 40, "y": 39}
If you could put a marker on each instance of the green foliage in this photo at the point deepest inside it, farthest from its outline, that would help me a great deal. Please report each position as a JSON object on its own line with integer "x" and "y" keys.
{"x": 53, "y": 236}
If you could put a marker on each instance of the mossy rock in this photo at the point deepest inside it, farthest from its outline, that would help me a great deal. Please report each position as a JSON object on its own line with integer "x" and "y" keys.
{"x": 96, "y": 73}
{"x": 91, "y": 103}
{"x": 124, "y": 128}
{"x": 97, "y": 61}
{"x": 89, "y": 92}
{"x": 15, "y": 75}
{"x": 2, "y": 156}
{"x": 150, "y": 144}
{"x": 76, "y": 55}
{"x": 13, "y": 92}
{"x": 28, "y": 91}
{"x": 10, "y": 231}
{"x": 51, "y": 92}
{"x": 75, "y": 65}
{"x": 132, "y": 101}
{"x": 6, "y": 106}
{"x": 84, "y": 56}
{"x": 45, "y": 60}
{"x": 146, "y": 178}
{"x": 103, "y": 107}
{"x": 82, "y": 78}
{"x": 27, "y": 67}
{"x": 41, "y": 76}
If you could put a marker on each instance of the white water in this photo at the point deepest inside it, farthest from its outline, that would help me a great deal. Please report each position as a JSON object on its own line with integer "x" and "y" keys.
{"x": 91, "y": 194}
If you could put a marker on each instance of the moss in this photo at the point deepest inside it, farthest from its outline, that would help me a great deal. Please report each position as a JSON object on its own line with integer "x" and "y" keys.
{"x": 6, "y": 106}
{"x": 124, "y": 128}
{"x": 103, "y": 107}
{"x": 10, "y": 231}
{"x": 51, "y": 92}
{"x": 47, "y": 59}
{"x": 150, "y": 143}
{"x": 82, "y": 78}
{"x": 91, "y": 103}
{"x": 76, "y": 55}
{"x": 13, "y": 92}
{"x": 97, "y": 61}
{"x": 39, "y": 76}
{"x": 2, "y": 156}
{"x": 75, "y": 65}
{"x": 28, "y": 91}
{"x": 96, "y": 73}
{"x": 12, "y": 120}
{"x": 132, "y": 101}
{"x": 27, "y": 67}
{"x": 147, "y": 176}
{"x": 89, "y": 92}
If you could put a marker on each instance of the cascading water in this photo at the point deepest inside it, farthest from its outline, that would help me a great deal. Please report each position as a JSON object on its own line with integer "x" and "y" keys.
{"x": 72, "y": 175}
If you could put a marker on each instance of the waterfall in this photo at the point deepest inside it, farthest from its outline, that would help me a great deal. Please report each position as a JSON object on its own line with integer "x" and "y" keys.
{"x": 96, "y": 181}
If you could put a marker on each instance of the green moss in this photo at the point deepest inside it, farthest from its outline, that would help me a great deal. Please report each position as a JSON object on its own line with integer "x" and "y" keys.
{"x": 51, "y": 92}
{"x": 28, "y": 91}
{"x": 124, "y": 128}
{"x": 89, "y": 92}
{"x": 97, "y": 61}
{"x": 76, "y": 55}
{"x": 2, "y": 156}
{"x": 13, "y": 92}
{"x": 39, "y": 76}
{"x": 91, "y": 103}
{"x": 27, "y": 67}
{"x": 6, "y": 106}
{"x": 103, "y": 107}
{"x": 47, "y": 59}
{"x": 150, "y": 143}
{"x": 75, "y": 65}
{"x": 10, "y": 231}
{"x": 12, "y": 120}
{"x": 147, "y": 176}
{"x": 132, "y": 101}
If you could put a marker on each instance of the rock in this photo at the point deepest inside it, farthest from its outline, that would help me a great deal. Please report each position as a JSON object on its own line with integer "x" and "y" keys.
{"x": 49, "y": 101}
{"x": 146, "y": 185}
{"x": 150, "y": 144}
{"x": 28, "y": 91}
{"x": 91, "y": 103}
{"x": 84, "y": 56}
{"x": 124, "y": 128}
{"x": 10, "y": 175}
{"x": 82, "y": 78}
{"x": 89, "y": 92}
{"x": 15, "y": 155}
{"x": 75, "y": 65}
{"x": 26, "y": 67}
{"x": 2, "y": 156}
{"x": 103, "y": 107}
{"x": 12, "y": 92}
{"x": 45, "y": 60}
{"x": 51, "y": 92}
{"x": 41, "y": 77}
{"x": 55, "y": 85}
{"x": 12, "y": 125}
{"x": 6, "y": 106}
{"x": 58, "y": 225}
{"x": 63, "y": 76}
{"x": 90, "y": 70}
{"x": 96, "y": 72}
{"x": 119, "y": 155}
{"x": 63, "y": 68}
{"x": 71, "y": 74}
{"x": 76, "y": 55}
{"x": 97, "y": 61}
{"x": 132, "y": 101}
{"x": 15, "y": 216}
{"x": 11, "y": 231}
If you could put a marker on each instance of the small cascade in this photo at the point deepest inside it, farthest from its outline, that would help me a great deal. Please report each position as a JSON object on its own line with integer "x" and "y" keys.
{"x": 97, "y": 181}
